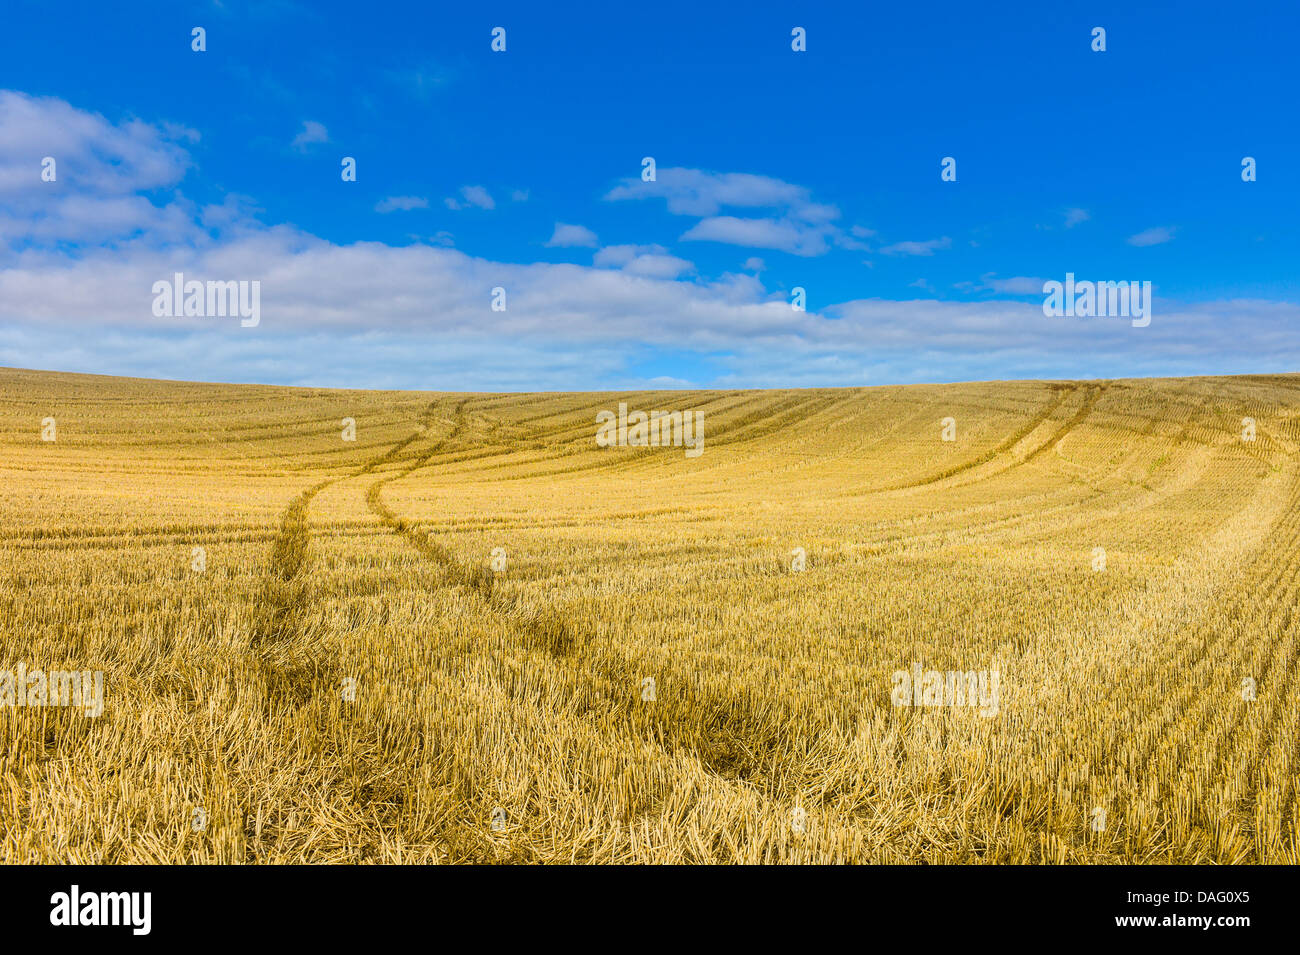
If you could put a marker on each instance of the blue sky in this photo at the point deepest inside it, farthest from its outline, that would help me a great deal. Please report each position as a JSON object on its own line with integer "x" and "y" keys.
{"x": 776, "y": 169}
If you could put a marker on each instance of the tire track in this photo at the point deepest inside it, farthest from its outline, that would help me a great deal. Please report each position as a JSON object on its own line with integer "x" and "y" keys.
{"x": 545, "y": 628}
{"x": 735, "y": 736}
{"x": 278, "y": 643}
{"x": 1085, "y": 409}
{"x": 1002, "y": 447}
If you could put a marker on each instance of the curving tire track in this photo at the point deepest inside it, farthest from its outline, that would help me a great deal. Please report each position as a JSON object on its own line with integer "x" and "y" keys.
{"x": 1002, "y": 447}
{"x": 545, "y": 628}
{"x": 723, "y": 733}
{"x": 277, "y": 643}
{"x": 1085, "y": 409}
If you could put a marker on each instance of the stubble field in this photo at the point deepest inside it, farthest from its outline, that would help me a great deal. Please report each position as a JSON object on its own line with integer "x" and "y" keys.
{"x": 309, "y": 656}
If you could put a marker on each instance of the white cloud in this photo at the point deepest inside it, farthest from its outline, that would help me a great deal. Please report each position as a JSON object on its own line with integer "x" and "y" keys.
{"x": 1157, "y": 236}
{"x": 368, "y": 314}
{"x": 311, "y": 132}
{"x": 853, "y": 240}
{"x": 928, "y": 247}
{"x": 659, "y": 266}
{"x": 799, "y": 225}
{"x": 651, "y": 261}
{"x": 519, "y": 195}
{"x": 471, "y": 196}
{"x": 1074, "y": 216}
{"x": 781, "y": 234}
{"x": 402, "y": 203}
{"x": 566, "y": 236}
{"x": 1015, "y": 285}
{"x": 91, "y": 153}
{"x": 696, "y": 192}
{"x": 667, "y": 382}
{"x": 104, "y": 173}
{"x": 620, "y": 255}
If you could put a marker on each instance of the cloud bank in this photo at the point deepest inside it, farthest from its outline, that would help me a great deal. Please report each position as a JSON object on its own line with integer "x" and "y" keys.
{"x": 79, "y": 256}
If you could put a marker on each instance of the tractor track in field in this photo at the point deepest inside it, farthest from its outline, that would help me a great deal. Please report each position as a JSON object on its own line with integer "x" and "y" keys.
{"x": 280, "y": 651}
{"x": 1085, "y": 409}
{"x": 728, "y": 742}
{"x": 544, "y": 628}
{"x": 276, "y": 640}
{"x": 1052, "y": 442}
{"x": 1005, "y": 445}
{"x": 721, "y": 732}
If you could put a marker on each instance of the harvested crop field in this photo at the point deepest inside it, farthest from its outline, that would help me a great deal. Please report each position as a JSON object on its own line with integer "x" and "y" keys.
{"x": 472, "y": 633}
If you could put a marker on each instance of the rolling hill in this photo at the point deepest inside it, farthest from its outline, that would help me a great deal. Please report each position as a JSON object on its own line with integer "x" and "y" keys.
{"x": 440, "y": 627}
